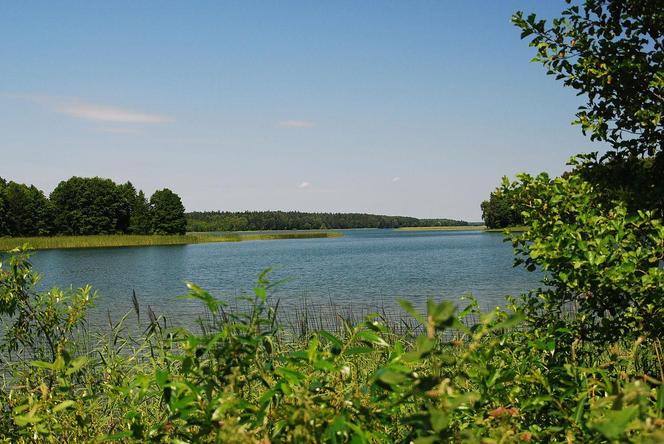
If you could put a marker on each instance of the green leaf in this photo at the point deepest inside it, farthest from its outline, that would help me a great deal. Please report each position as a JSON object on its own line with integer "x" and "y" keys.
{"x": 408, "y": 307}
{"x": 391, "y": 377}
{"x": 614, "y": 423}
{"x": 41, "y": 364}
{"x": 372, "y": 338}
{"x": 439, "y": 420}
{"x": 334, "y": 341}
{"x": 63, "y": 405}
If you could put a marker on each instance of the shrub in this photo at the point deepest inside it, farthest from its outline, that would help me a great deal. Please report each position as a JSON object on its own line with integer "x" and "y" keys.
{"x": 597, "y": 257}
{"x": 238, "y": 378}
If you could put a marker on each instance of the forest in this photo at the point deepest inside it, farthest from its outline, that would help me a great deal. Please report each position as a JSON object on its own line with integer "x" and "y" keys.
{"x": 88, "y": 206}
{"x": 296, "y": 220}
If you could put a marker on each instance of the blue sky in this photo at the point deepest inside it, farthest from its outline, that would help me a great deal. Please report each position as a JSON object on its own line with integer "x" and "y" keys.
{"x": 413, "y": 108}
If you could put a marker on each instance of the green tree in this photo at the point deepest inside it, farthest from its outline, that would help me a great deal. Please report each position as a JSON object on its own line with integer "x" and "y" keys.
{"x": 88, "y": 206}
{"x": 596, "y": 232}
{"x": 596, "y": 256}
{"x": 27, "y": 211}
{"x": 135, "y": 217}
{"x": 140, "y": 221}
{"x": 497, "y": 212}
{"x": 4, "y": 231}
{"x": 167, "y": 213}
{"x": 612, "y": 53}
{"x": 128, "y": 193}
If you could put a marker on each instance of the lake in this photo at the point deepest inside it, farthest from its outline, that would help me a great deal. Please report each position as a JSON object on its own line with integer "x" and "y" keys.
{"x": 365, "y": 268}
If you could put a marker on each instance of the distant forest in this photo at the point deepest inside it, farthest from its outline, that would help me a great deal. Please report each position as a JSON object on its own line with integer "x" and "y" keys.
{"x": 88, "y": 206}
{"x": 295, "y": 220}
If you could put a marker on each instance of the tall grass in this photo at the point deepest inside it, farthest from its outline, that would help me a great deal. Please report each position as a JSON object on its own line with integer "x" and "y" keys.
{"x": 342, "y": 376}
{"x": 122, "y": 240}
{"x": 446, "y": 228}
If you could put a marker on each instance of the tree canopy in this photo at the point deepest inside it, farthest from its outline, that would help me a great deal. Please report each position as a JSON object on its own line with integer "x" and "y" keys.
{"x": 612, "y": 53}
{"x": 167, "y": 213}
{"x": 498, "y": 212}
{"x": 596, "y": 231}
{"x": 85, "y": 206}
{"x": 296, "y": 220}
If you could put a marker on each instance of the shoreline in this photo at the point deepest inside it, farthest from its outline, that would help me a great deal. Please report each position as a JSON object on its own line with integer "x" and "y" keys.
{"x": 446, "y": 228}
{"x": 127, "y": 240}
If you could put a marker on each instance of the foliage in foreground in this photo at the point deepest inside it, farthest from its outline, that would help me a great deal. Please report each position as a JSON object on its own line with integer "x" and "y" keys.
{"x": 239, "y": 378}
{"x": 598, "y": 258}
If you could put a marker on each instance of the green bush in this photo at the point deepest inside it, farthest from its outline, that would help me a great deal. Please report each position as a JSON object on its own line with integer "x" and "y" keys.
{"x": 239, "y": 378}
{"x": 598, "y": 258}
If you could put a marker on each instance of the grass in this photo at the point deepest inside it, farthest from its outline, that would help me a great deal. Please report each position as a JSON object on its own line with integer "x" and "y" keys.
{"x": 516, "y": 229}
{"x": 122, "y": 240}
{"x": 450, "y": 228}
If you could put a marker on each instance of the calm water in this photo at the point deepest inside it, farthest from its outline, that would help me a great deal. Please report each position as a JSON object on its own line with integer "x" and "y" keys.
{"x": 369, "y": 267}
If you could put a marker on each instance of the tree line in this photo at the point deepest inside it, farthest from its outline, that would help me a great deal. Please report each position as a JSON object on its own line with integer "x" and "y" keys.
{"x": 296, "y": 220}
{"x": 88, "y": 206}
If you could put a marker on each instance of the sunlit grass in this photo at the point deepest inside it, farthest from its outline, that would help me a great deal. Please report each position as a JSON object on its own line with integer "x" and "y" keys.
{"x": 516, "y": 229}
{"x": 451, "y": 228}
{"x": 120, "y": 240}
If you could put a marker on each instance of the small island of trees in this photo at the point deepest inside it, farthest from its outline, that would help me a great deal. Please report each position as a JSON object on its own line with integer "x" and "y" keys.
{"x": 88, "y": 206}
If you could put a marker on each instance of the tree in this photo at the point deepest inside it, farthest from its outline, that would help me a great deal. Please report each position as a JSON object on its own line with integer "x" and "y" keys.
{"x": 595, "y": 255}
{"x": 88, "y": 206}
{"x": 497, "y": 212}
{"x": 27, "y": 211}
{"x": 612, "y": 53}
{"x": 4, "y": 230}
{"x": 167, "y": 213}
{"x": 135, "y": 216}
{"x": 140, "y": 221}
{"x": 634, "y": 180}
{"x": 593, "y": 231}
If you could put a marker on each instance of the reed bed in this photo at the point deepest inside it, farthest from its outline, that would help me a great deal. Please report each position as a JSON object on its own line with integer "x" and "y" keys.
{"x": 124, "y": 240}
{"x": 450, "y": 228}
{"x": 298, "y": 320}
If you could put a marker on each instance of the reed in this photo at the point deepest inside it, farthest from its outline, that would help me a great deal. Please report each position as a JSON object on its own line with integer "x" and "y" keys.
{"x": 449, "y": 228}
{"x": 123, "y": 240}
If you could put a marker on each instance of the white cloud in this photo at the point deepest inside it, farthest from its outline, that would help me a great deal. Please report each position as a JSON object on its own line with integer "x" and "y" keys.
{"x": 81, "y": 109}
{"x": 396, "y": 179}
{"x": 120, "y": 130}
{"x": 295, "y": 124}
{"x": 304, "y": 184}
{"x": 99, "y": 113}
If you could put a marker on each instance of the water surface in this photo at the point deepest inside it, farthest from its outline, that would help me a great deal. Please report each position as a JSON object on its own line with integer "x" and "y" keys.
{"x": 365, "y": 267}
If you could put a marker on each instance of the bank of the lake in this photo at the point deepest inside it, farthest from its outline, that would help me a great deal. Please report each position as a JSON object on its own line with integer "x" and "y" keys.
{"x": 517, "y": 229}
{"x": 123, "y": 240}
{"x": 446, "y": 228}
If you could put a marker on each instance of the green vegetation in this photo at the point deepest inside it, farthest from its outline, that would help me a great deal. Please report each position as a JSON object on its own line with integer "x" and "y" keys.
{"x": 167, "y": 213}
{"x": 241, "y": 377}
{"x": 515, "y": 229}
{"x": 295, "y": 220}
{"x": 498, "y": 212}
{"x": 88, "y": 206}
{"x": 127, "y": 240}
{"x": 453, "y": 228}
{"x": 578, "y": 360}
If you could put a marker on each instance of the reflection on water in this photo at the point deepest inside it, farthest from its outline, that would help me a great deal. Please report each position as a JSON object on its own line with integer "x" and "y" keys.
{"x": 365, "y": 267}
